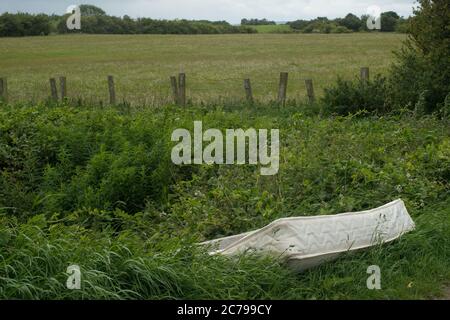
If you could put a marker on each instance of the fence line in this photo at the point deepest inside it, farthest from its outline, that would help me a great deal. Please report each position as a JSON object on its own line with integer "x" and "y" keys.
{"x": 248, "y": 91}
{"x": 53, "y": 89}
{"x": 4, "y": 89}
{"x": 112, "y": 90}
{"x": 179, "y": 88}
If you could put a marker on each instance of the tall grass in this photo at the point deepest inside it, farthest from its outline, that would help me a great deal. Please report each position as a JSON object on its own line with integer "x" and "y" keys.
{"x": 95, "y": 187}
{"x": 35, "y": 256}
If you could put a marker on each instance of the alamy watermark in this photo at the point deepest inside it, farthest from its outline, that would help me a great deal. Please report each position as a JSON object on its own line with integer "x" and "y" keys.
{"x": 374, "y": 281}
{"x": 74, "y": 20}
{"x": 74, "y": 279}
{"x": 374, "y": 19}
{"x": 191, "y": 149}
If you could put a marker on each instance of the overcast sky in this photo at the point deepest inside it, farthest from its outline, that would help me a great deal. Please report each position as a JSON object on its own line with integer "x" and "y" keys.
{"x": 230, "y": 10}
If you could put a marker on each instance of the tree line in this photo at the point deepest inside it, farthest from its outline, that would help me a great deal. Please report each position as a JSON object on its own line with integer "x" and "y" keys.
{"x": 390, "y": 22}
{"x": 94, "y": 20}
{"x": 257, "y": 22}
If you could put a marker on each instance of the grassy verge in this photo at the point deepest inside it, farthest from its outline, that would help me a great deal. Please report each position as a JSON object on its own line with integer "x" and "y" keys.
{"x": 96, "y": 187}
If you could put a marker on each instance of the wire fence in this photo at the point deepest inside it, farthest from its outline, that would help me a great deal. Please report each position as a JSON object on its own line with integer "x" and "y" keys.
{"x": 181, "y": 91}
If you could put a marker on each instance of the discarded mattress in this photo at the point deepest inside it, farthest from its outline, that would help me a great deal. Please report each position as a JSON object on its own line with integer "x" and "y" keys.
{"x": 305, "y": 242}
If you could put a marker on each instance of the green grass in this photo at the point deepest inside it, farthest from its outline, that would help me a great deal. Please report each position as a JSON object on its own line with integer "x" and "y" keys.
{"x": 279, "y": 28}
{"x": 95, "y": 187}
{"x": 215, "y": 64}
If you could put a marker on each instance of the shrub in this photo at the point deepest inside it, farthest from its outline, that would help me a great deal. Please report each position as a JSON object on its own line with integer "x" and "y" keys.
{"x": 351, "y": 22}
{"x": 347, "y": 97}
{"x": 422, "y": 70}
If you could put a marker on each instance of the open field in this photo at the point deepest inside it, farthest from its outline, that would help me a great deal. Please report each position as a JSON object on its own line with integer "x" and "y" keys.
{"x": 279, "y": 28}
{"x": 215, "y": 65}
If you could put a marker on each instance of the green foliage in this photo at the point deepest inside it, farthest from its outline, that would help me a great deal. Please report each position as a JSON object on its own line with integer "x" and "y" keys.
{"x": 351, "y": 22}
{"x": 389, "y": 21}
{"x": 37, "y": 253}
{"x": 65, "y": 159}
{"x": 103, "y": 24}
{"x": 90, "y": 10}
{"x": 345, "y": 97}
{"x": 23, "y": 24}
{"x": 257, "y": 22}
{"x": 96, "y": 187}
{"x": 95, "y": 21}
{"x": 320, "y": 25}
{"x": 403, "y": 25}
{"x": 422, "y": 70}
{"x": 277, "y": 28}
{"x": 81, "y": 160}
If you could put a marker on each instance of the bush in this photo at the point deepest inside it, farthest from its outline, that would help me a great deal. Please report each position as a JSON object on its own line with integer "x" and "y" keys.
{"x": 351, "y": 22}
{"x": 23, "y": 24}
{"x": 347, "y": 97}
{"x": 340, "y": 29}
{"x": 422, "y": 70}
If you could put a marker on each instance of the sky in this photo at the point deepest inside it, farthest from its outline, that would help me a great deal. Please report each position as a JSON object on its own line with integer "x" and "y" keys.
{"x": 229, "y": 10}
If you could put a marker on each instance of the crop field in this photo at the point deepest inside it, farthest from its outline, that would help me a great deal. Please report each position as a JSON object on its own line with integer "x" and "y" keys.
{"x": 215, "y": 65}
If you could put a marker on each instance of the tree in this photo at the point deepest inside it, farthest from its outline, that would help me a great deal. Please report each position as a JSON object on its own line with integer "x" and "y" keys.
{"x": 257, "y": 22}
{"x": 24, "y": 24}
{"x": 389, "y": 21}
{"x": 421, "y": 76}
{"x": 90, "y": 10}
{"x": 351, "y": 22}
{"x": 298, "y": 24}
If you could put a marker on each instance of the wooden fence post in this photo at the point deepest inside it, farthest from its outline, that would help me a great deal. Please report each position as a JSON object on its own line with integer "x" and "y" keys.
{"x": 182, "y": 89}
{"x": 53, "y": 90}
{"x": 310, "y": 90}
{"x": 112, "y": 90}
{"x": 364, "y": 75}
{"x": 174, "y": 84}
{"x": 4, "y": 89}
{"x": 248, "y": 91}
{"x": 63, "y": 87}
{"x": 283, "y": 88}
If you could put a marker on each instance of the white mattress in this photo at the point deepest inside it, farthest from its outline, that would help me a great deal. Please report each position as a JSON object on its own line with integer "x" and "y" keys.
{"x": 306, "y": 242}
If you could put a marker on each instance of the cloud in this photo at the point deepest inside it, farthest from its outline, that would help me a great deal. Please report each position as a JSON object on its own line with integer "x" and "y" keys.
{"x": 230, "y": 10}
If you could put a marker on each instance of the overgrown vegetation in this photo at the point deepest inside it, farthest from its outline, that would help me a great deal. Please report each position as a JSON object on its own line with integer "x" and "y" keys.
{"x": 346, "y": 97}
{"x": 420, "y": 78}
{"x": 96, "y": 187}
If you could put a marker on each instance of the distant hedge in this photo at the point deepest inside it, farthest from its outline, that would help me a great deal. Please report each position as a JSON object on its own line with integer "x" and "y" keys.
{"x": 126, "y": 25}
{"x": 24, "y": 24}
{"x": 96, "y": 22}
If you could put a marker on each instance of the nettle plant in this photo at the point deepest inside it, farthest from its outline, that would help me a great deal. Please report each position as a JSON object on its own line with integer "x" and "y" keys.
{"x": 235, "y": 143}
